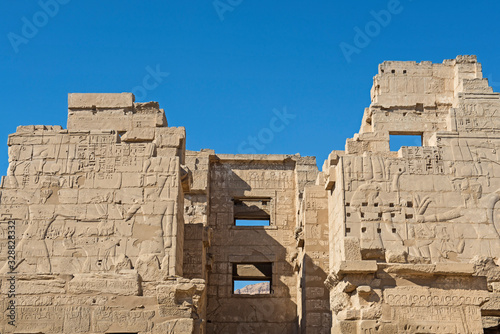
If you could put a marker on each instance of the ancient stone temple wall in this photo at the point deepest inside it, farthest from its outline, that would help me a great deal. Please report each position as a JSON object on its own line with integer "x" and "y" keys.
{"x": 415, "y": 228}
{"x": 244, "y": 188}
{"x": 97, "y": 222}
{"x": 112, "y": 226}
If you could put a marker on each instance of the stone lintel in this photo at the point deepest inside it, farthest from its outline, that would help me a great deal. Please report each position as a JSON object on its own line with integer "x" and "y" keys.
{"x": 100, "y": 100}
{"x": 455, "y": 269}
{"x": 356, "y": 267}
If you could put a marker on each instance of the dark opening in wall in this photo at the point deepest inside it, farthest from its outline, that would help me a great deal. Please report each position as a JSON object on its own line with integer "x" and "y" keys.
{"x": 252, "y": 278}
{"x": 397, "y": 140}
{"x": 252, "y": 211}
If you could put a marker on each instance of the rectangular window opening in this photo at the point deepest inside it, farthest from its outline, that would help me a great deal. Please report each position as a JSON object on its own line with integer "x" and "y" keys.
{"x": 252, "y": 211}
{"x": 252, "y": 278}
{"x": 397, "y": 141}
{"x": 252, "y": 222}
{"x": 252, "y": 287}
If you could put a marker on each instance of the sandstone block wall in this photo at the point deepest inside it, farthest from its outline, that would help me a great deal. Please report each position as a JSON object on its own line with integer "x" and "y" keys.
{"x": 278, "y": 179}
{"x": 414, "y": 228}
{"x": 112, "y": 226}
{"x": 99, "y": 226}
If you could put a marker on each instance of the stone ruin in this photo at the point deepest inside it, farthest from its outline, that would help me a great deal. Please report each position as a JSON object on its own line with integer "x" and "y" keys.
{"x": 112, "y": 226}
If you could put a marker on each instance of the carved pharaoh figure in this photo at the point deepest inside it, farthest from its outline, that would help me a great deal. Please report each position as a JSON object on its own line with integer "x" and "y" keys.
{"x": 477, "y": 211}
{"x": 32, "y": 249}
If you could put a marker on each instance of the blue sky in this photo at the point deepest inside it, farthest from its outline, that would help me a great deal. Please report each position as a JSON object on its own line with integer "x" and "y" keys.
{"x": 229, "y": 70}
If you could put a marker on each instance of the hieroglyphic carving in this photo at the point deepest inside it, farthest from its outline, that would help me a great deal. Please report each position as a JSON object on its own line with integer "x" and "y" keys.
{"x": 474, "y": 116}
{"x": 32, "y": 250}
{"x": 454, "y": 311}
{"x": 440, "y": 198}
{"x": 279, "y": 177}
{"x": 105, "y": 317}
{"x": 96, "y": 211}
{"x": 423, "y": 160}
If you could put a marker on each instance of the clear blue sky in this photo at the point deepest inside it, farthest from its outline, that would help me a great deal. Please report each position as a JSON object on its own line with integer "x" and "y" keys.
{"x": 231, "y": 64}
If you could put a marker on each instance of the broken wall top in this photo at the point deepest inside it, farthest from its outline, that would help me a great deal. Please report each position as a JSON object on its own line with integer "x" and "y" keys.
{"x": 426, "y": 99}
{"x": 428, "y": 203}
{"x": 408, "y": 83}
{"x": 103, "y": 195}
{"x": 116, "y": 112}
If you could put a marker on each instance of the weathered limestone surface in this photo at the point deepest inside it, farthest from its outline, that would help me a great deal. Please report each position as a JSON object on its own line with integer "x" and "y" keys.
{"x": 423, "y": 222}
{"x": 112, "y": 226}
{"x": 280, "y": 179}
{"x": 98, "y": 211}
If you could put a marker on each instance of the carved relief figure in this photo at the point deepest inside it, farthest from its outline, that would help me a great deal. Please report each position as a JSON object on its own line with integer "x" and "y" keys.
{"x": 477, "y": 211}
{"x": 32, "y": 249}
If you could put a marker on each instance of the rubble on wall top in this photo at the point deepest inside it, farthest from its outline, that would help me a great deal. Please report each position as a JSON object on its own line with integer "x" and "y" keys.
{"x": 32, "y": 128}
{"x": 265, "y": 157}
{"x": 464, "y": 59}
{"x": 119, "y": 112}
{"x": 461, "y": 59}
{"x": 109, "y": 102}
